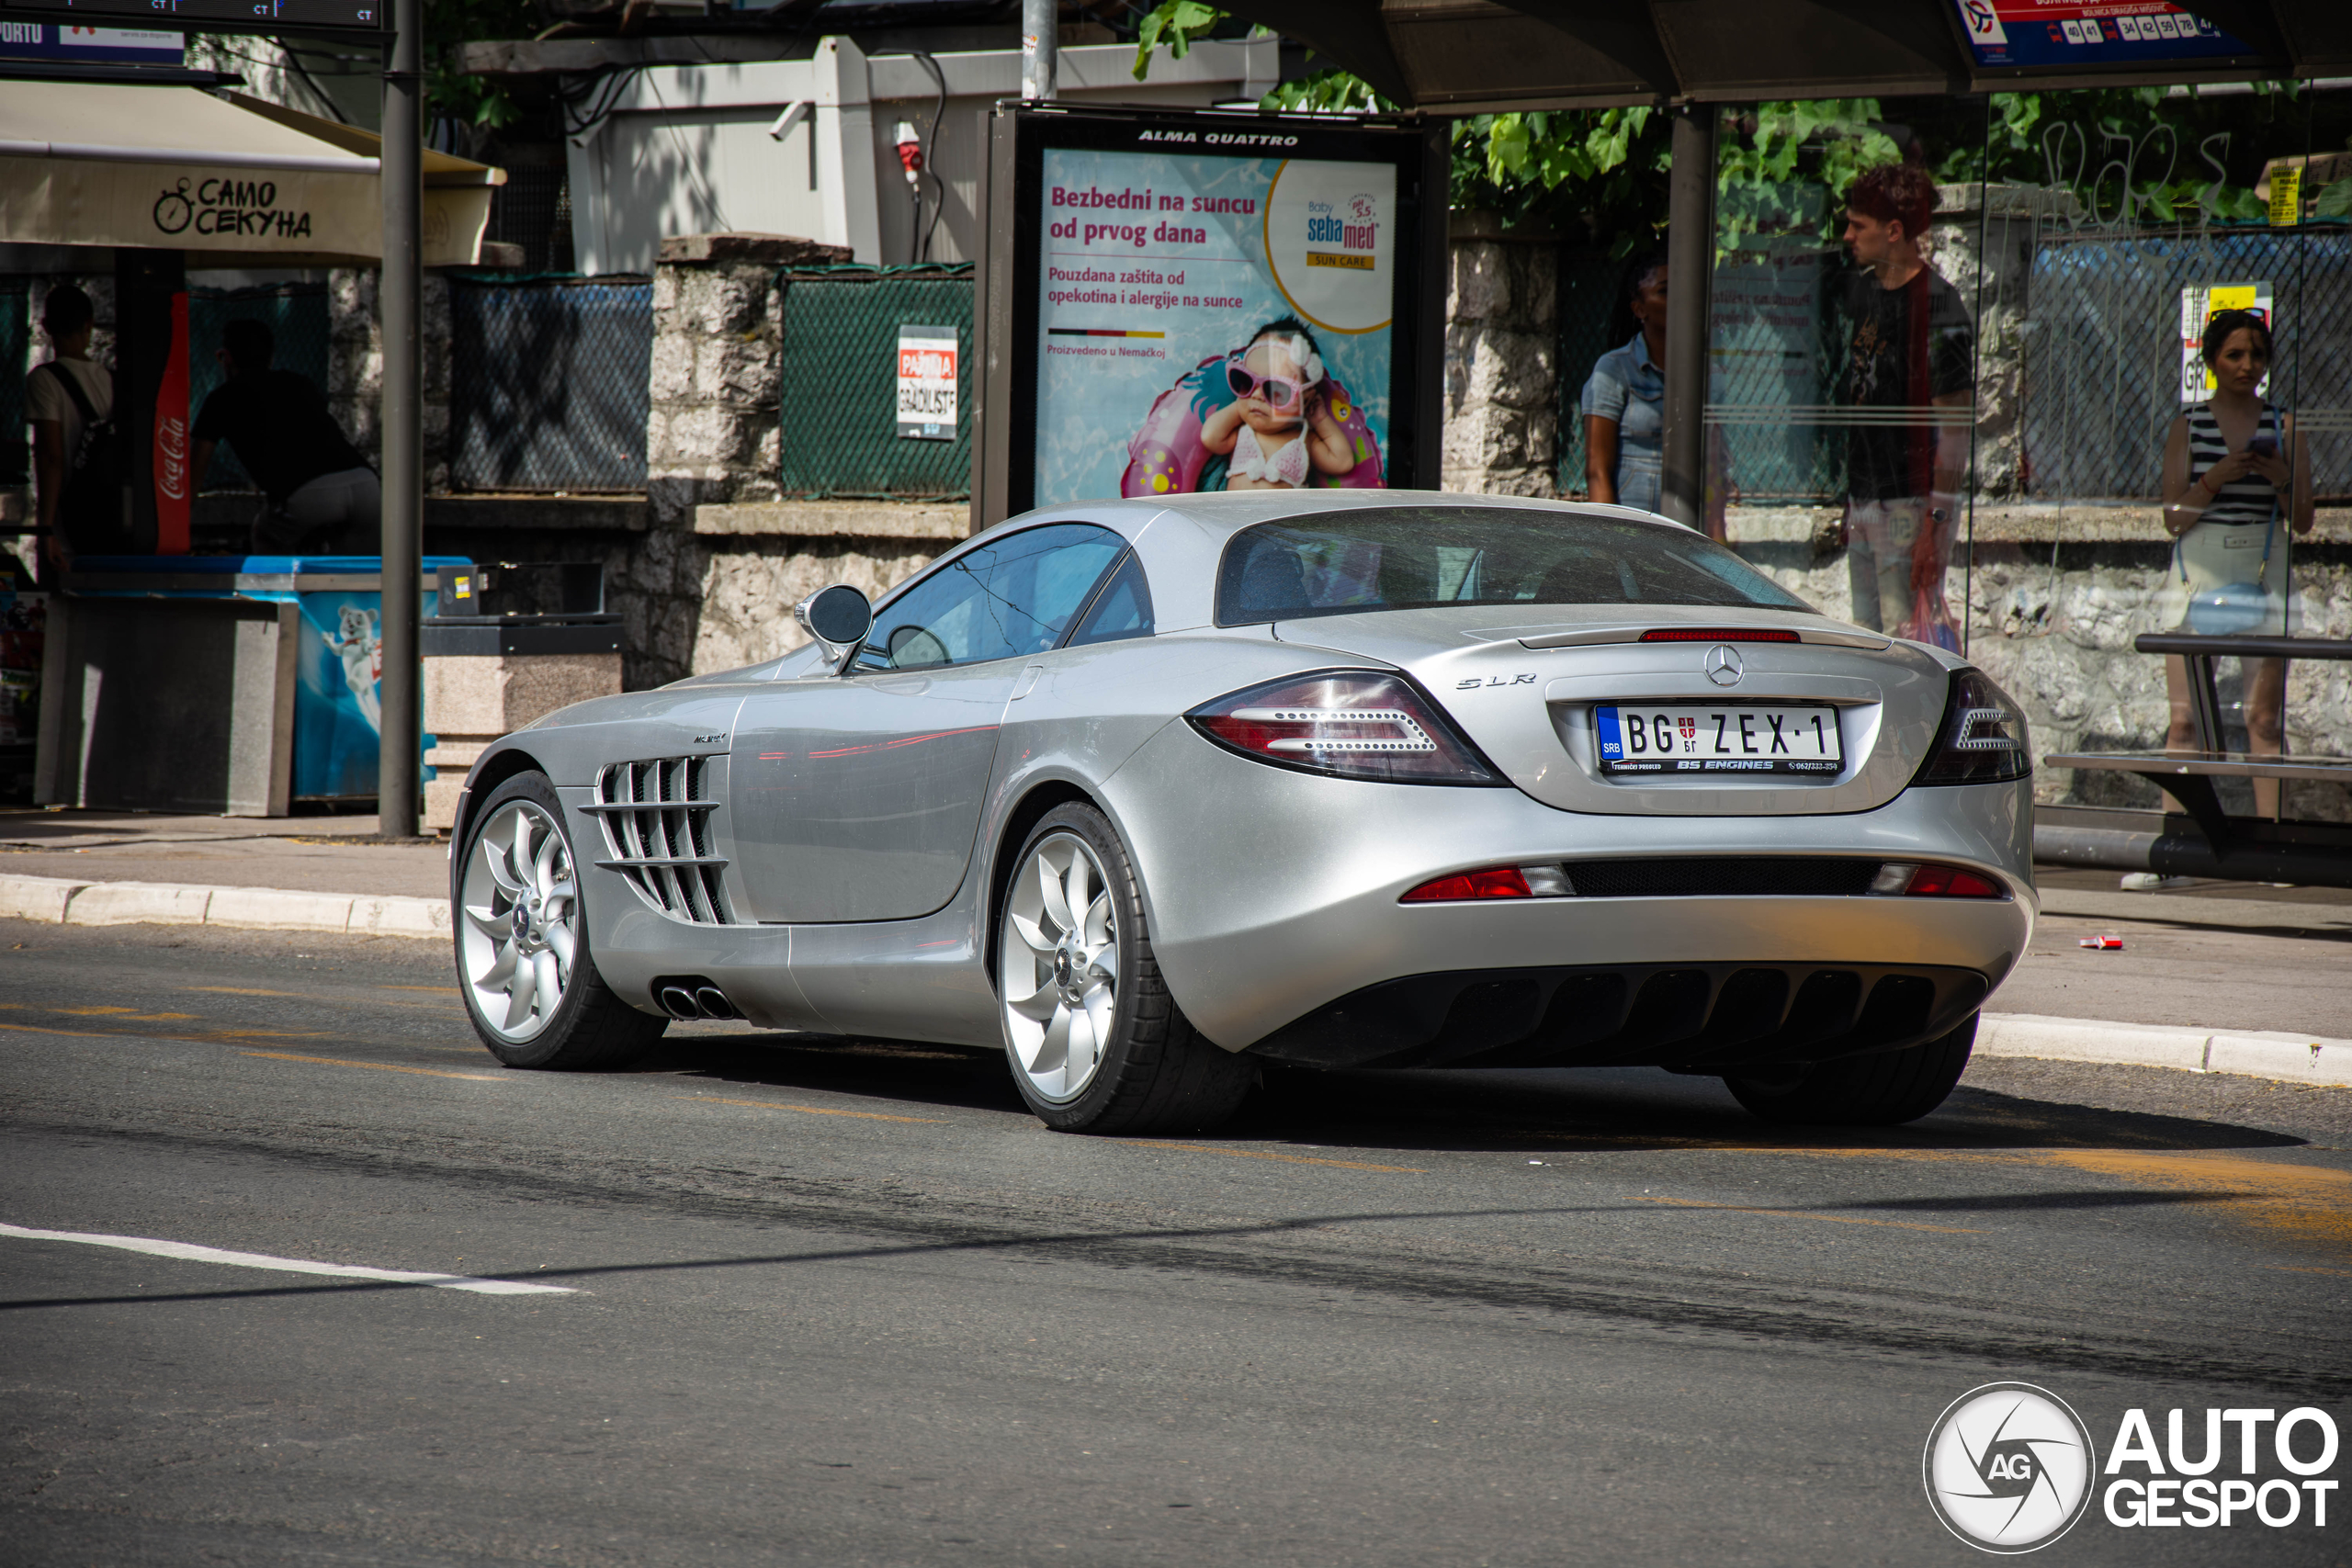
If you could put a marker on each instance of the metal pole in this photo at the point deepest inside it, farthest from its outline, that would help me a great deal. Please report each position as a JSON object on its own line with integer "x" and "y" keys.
{"x": 1689, "y": 283}
{"x": 1040, "y": 47}
{"x": 401, "y": 761}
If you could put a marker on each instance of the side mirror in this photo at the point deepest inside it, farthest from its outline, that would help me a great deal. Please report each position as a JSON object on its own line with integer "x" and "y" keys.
{"x": 839, "y": 617}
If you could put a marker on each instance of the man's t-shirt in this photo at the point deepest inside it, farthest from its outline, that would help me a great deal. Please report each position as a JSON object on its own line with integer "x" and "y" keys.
{"x": 45, "y": 400}
{"x": 277, "y": 423}
{"x": 1908, "y": 346}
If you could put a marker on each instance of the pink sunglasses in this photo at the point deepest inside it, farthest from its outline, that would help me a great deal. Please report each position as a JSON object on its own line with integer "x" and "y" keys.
{"x": 1283, "y": 393}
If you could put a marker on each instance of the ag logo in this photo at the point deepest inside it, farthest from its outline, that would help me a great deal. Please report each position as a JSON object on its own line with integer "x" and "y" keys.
{"x": 2009, "y": 1468}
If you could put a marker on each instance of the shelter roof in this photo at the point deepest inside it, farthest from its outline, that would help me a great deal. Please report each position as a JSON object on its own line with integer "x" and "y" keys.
{"x": 1481, "y": 56}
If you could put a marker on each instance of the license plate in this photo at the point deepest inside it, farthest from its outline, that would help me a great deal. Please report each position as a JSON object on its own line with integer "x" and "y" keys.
{"x": 1677, "y": 738}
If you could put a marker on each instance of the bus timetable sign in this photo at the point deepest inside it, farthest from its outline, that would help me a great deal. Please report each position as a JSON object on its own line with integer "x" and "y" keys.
{"x": 268, "y": 16}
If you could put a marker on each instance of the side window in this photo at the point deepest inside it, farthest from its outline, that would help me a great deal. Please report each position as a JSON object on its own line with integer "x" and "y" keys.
{"x": 1011, "y": 597}
{"x": 1122, "y": 610}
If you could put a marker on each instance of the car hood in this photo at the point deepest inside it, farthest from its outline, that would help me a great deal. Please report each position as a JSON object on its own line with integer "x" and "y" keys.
{"x": 1523, "y": 684}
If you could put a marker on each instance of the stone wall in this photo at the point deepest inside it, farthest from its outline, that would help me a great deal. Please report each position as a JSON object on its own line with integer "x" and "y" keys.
{"x": 356, "y": 365}
{"x": 1502, "y": 361}
{"x": 2052, "y": 599}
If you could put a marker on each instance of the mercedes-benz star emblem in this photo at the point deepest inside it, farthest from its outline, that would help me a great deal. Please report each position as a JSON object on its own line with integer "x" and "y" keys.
{"x": 1723, "y": 666}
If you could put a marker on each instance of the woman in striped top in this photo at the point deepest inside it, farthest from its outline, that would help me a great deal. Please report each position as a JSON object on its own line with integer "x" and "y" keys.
{"x": 2235, "y": 471}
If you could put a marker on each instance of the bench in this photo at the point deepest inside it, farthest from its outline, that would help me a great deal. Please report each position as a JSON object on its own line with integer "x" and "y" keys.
{"x": 2207, "y": 842}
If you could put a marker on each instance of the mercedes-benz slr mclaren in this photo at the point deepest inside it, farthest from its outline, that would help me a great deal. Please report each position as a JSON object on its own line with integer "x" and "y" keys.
{"x": 1151, "y": 793}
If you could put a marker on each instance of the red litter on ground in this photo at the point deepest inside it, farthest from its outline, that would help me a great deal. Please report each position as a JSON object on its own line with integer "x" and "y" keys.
{"x": 2109, "y": 944}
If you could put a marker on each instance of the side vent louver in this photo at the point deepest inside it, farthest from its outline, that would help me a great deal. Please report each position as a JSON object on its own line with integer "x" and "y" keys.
{"x": 657, "y": 834}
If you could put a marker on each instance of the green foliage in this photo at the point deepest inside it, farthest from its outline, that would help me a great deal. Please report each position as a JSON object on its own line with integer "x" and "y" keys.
{"x": 1328, "y": 92}
{"x": 2335, "y": 201}
{"x": 1605, "y": 168}
{"x": 474, "y": 100}
{"x": 1178, "y": 24}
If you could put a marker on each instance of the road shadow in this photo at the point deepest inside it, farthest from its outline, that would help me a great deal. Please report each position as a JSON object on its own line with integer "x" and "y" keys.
{"x": 1561, "y": 1109}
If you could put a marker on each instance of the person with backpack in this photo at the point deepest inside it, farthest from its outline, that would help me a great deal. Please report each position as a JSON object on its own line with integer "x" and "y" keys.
{"x": 324, "y": 498}
{"x": 80, "y": 466}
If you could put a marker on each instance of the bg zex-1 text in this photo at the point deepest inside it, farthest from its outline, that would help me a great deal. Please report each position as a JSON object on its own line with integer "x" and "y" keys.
{"x": 1674, "y": 738}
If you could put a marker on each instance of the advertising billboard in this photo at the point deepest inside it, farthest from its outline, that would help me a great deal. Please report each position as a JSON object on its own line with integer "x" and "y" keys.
{"x": 1204, "y": 302}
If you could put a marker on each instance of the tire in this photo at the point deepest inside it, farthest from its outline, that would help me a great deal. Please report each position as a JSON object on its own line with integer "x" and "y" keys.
{"x": 1885, "y": 1089}
{"x": 499, "y": 959}
{"x": 1093, "y": 1039}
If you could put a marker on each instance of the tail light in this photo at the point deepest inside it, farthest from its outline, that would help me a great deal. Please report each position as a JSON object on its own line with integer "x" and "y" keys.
{"x": 1495, "y": 882}
{"x": 1984, "y": 738}
{"x": 1911, "y": 879}
{"x": 1718, "y": 634}
{"x": 1349, "y": 724}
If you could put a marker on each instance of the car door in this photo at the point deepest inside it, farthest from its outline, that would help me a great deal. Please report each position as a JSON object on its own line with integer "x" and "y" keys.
{"x": 857, "y": 796}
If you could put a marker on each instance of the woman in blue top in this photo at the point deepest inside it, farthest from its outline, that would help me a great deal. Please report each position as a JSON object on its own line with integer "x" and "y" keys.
{"x": 1625, "y": 408}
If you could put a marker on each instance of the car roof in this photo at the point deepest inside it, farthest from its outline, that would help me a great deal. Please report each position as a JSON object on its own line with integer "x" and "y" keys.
{"x": 1226, "y": 512}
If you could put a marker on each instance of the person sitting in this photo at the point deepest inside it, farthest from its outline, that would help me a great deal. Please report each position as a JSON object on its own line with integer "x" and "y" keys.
{"x": 324, "y": 498}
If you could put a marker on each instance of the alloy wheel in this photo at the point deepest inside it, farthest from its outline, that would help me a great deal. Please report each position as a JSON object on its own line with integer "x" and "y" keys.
{"x": 1059, "y": 967}
{"x": 520, "y": 903}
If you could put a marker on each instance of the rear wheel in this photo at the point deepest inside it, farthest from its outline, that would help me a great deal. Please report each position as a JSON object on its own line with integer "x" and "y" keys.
{"x": 1095, "y": 1043}
{"x": 1883, "y": 1090}
{"x": 530, "y": 985}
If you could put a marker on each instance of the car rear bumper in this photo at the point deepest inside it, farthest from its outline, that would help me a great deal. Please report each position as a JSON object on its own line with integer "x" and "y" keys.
{"x": 1274, "y": 902}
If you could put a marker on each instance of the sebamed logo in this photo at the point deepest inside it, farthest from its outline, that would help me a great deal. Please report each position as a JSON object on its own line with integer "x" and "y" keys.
{"x": 2009, "y": 1468}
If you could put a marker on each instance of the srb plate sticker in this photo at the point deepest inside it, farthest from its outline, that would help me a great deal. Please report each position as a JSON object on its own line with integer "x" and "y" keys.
{"x": 1676, "y": 739}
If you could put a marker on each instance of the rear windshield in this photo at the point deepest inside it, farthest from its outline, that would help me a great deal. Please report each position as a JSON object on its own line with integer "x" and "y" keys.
{"x": 1405, "y": 558}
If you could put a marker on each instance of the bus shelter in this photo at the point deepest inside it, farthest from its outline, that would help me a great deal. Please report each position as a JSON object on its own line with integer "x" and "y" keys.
{"x": 2090, "y": 187}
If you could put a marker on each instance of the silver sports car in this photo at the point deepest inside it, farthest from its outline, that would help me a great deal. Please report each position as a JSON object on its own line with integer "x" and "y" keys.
{"x": 1152, "y": 793}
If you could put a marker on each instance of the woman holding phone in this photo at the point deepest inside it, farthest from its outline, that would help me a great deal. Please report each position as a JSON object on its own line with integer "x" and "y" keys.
{"x": 2237, "y": 484}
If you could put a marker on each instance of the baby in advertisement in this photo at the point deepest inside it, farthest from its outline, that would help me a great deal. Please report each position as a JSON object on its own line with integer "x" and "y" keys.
{"x": 1280, "y": 425}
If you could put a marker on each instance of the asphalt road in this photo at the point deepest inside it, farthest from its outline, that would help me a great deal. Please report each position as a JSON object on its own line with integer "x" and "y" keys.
{"x": 837, "y": 1303}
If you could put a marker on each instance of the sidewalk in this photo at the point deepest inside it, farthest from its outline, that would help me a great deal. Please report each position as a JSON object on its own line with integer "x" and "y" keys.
{"x": 2218, "y": 977}
{"x": 305, "y": 873}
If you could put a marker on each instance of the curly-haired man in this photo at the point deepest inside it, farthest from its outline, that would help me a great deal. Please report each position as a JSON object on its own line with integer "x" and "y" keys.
{"x": 1912, "y": 348}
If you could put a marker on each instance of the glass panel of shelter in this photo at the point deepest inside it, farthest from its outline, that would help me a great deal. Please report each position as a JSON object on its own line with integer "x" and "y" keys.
{"x": 2018, "y": 364}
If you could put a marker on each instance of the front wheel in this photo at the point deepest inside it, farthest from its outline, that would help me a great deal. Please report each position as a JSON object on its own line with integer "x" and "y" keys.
{"x": 530, "y": 985}
{"x": 1883, "y": 1090}
{"x": 1095, "y": 1043}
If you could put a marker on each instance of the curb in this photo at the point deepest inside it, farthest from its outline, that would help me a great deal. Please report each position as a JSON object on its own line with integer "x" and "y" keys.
{"x": 2294, "y": 1058}
{"x": 2291, "y": 1058}
{"x": 59, "y": 901}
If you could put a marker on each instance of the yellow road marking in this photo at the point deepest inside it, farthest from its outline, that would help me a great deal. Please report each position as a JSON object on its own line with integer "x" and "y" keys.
{"x": 1287, "y": 1159}
{"x": 90, "y": 1012}
{"x": 378, "y": 1066}
{"x": 2310, "y": 1205}
{"x": 78, "y": 1033}
{"x": 2290, "y": 1268}
{"x": 810, "y": 1110}
{"x": 1809, "y": 1214}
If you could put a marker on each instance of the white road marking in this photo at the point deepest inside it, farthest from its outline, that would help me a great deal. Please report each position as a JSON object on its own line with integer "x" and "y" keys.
{"x": 290, "y": 1265}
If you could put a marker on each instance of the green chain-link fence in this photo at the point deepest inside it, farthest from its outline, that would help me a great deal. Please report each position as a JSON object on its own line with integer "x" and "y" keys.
{"x": 1587, "y": 303}
{"x": 549, "y": 383}
{"x": 838, "y": 382}
{"x": 16, "y": 351}
{"x": 296, "y": 314}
